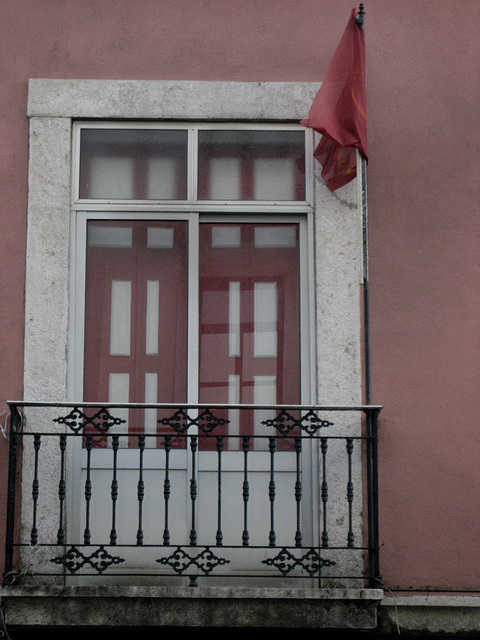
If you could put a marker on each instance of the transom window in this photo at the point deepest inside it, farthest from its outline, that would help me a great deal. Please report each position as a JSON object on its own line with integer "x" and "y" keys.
{"x": 203, "y": 163}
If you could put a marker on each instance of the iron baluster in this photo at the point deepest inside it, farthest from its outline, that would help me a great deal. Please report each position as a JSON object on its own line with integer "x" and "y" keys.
{"x": 372, "y": 479}
{"x": 219, "y": 537}
{"x": 193, "y": 489}
{"x": 324, "y": 448}
{"x": 114, "y": 491}
{"x": 88, "y": 490}
{"x": 35, "y": 489}
{"x": 166, "y": 488}
{"x": 15, "y": 424}
{"x": 271, "y": 491}
{"x": 140, "y": 489}
{"x": 298, "y": 491}
{"x": 62, "y": 490}
{"x": 350, "y": 495}
{"x": 245, "y": 491}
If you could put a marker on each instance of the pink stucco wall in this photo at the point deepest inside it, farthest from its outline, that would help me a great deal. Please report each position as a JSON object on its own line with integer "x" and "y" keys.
{"x": 423, "y": 96}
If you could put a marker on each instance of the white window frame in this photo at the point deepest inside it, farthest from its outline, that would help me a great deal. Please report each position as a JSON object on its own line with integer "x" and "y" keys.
{"x": 194, "y": 212}
{"x": 211, "y": 206}
{"x": 194, "y": 220}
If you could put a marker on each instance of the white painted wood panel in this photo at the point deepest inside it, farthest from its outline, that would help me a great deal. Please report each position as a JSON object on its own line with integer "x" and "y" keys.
{"x": 152, "y": 317}
{"x": 160, "y": 238}
{"x": 275, "y": 237}
{"x": 119, "y": 391}
{"x": 110, "y": 237}
{"x": 225, "y": 179}
{"x": 226, "y": 237}
{"x": 274, "y": 179}
{"x": 151, "y": 396}
{"x": 111, "y": 177}
{"x": 265, "y": 320}
{"x": 234, "y": 320}
{"x": 161, "y": 179}
{"x": 264, "y": 393}
{"x": 120, "y": 317}
{"x": 234, "y": 414}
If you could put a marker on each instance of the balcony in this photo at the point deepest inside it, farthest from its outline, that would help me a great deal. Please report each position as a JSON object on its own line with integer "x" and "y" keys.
{"x": 219, "y": 504}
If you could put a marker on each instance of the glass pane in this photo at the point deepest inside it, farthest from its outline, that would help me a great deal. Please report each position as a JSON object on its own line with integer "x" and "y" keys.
{"x": 251, "y": 165}
{"x": 249, "y": 319}
{"x": 127, "y": 164}
{"x": 136, "y": 318}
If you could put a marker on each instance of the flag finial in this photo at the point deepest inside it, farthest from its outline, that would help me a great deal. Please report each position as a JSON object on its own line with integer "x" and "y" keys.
{"x": 360, "y": 15}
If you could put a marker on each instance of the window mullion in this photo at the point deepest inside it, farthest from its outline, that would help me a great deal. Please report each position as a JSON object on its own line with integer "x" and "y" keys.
{"x": 192, "y": 175}
{"x": 193, "y": 308}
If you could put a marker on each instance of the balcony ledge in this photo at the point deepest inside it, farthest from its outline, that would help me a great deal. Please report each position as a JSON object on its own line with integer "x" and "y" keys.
{"x": 100, "y": 607}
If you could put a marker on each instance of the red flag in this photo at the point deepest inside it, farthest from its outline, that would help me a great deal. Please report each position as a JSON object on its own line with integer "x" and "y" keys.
{"x": 339, "y": 110}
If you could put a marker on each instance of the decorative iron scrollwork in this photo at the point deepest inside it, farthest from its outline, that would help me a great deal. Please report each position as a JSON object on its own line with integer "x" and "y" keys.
{"x": 206, "y": 421}
{"x": 205, "y": 561}
{"x": 286, "y": 562}
{"x": 101, "y": 421}
{"x": 285, "y": 423}
{"x": 100, "y": 560}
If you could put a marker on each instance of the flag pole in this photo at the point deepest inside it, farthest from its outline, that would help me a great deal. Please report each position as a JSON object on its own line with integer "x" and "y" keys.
{"x": 372, "y": 451}
{"x": 366, "y": 293}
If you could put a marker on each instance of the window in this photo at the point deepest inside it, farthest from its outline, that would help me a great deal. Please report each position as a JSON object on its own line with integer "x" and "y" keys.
{"x": 187, "y": 305}
{"x": 251, "y": 165}
{"x": 208, "y": 206}
{"x": 59, "y": 209}
{"x": 133, "y": 164}
{"x": 227, "y": 164}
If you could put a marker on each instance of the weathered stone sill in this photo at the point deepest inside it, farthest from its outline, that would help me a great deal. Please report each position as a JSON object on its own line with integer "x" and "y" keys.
{"x": 95, "y": 607}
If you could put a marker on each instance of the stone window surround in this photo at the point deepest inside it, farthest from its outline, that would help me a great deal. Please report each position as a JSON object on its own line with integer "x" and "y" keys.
{"x": 53, "y": 106}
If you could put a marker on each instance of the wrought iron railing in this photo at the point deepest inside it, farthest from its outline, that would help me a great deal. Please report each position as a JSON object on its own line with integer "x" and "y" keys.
{"x": 231, "y": 493}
